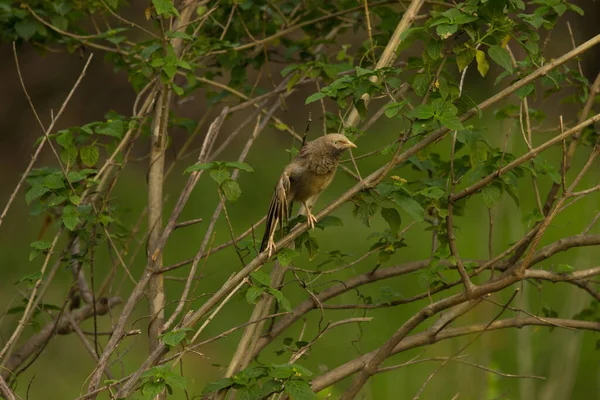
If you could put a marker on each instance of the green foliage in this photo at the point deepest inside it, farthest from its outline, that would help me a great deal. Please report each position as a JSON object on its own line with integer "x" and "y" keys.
{"x": 220, "y": 172}
{"x": 259, "y": 382}
{"x": 160, "y": 378}
{"x": 262, "y": 284}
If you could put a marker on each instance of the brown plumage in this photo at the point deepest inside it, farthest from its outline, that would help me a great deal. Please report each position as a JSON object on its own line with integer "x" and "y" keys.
{"x": 303, "y": 180}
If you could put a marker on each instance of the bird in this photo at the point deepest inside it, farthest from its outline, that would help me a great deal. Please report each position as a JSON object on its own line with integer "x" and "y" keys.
{"x": 303, "y": 180}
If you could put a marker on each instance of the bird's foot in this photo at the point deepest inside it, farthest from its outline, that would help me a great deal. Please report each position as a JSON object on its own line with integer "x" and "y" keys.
{"x": 270, "y": 248}
{"x": 311, "y": 220}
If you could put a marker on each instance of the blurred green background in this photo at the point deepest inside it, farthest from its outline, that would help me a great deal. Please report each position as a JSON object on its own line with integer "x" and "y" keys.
{"x": 568, "y": 359}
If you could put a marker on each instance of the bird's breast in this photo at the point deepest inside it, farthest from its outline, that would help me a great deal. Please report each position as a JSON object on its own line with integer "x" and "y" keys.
{"x": 309, "y": 184}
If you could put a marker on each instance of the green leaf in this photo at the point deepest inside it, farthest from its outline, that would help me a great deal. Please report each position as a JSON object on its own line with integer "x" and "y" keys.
{"x": 239, "y": 165}
{"x": 89, "y": 155}
{"x": 491, "y": 195}
{"x": 450, "y": 120}
{"x": 525, "y": 90}
{"x": 364, "y": 211}
{"x": 312, "y": 247}
{"x": 363, "y": 71}
{"x": 483, "y": 66}
{"x": 41, "y": 245}
{"x": 329, "y": 220}
{"x": 54, "y": 181}
{"x": 70, "y": 218}
{"x": 218, "y": 385}
{"x": 219, "y": 175}
{"x": 281, "y": 300}
{"x": 299, "y": 390}
{"x": 75, "y": 200}
{"x": 433, "y": 193}
{"x": 56, "y": 200}
{"x": 253, "y": 294}
{"x": 413, "y": 208}
{"x": 392, "y": 217}
{"x": 232, "y": 190}
{"x": 165, "y": 7}
{"x": 261, "y": 278}
{"x": 285, "y": 256}
{"x": 112, "y": 128}
{"x": 199, "y": 167}
{"x": 35, "y": 192}
{"x": 251, "y": 392}
{"x": 563, "y": 269}
{"x": 26, "y": 29}
{"x": 424, "y": 111}
{"x": 153, "y": 389}
{"x": 174, "y": 337}
{"x": 501, "y": 56}
{"x": 314, "y": 97}
{"x": 421, "y": 84}
{"x": 444, "y": 31}
{"x": 464, "y": 58}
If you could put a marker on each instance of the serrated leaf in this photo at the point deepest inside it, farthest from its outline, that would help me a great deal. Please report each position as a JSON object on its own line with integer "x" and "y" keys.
{"x": 433, "y": 193}
{"x": 219, "y": 175}
{"x": 329, "y": 220}
{"x": 239, "y": 165}
{"x": 501, "y": 56}
{"x": 450, "y": 121}
{"x": 70, "y": 218}
{"x": 312, "y": 248}
{"x": 413, "y": 208}
{"x": 26, "y": 29}
{"x": 41, "y": 245}
{"x": 89, "y": 155}
{"x": 253, "y": 294}
{"x": 281, "y": 300}
{"x": 285, "y": 257}
{"x": 464, "y": 58}
{"x": 153, "y": 389}
{"x": 525, "y": 90}
{"x": 174, "y": 337}
{"x": 424, "y": 111}
{"x": 421, "y": 84}
{"x": 261, "y": 278}
{"x": 112, "y": 128}
{"x": 483, "y": 66}
{"x": 491, "y": 195}
{"x": 392, "y": 217}
{"x": 35, "y": 192}
{"x": 54, "y": 181}
{"x": 444, "y": 31}
{"x": 56, "y": 200}
{"x": 231, "y": 189}
{"x": 165, "y": 7}
{"x": 299, "y": 390}
{"x": 364, "y": 211}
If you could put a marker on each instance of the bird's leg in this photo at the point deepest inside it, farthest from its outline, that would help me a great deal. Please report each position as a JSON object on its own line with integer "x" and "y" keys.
{"x": 270, "y": 246}
{"x": 309, "y": 217}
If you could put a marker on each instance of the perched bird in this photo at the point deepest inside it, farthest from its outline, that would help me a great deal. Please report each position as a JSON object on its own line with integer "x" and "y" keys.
{"x": 303, "y": 180}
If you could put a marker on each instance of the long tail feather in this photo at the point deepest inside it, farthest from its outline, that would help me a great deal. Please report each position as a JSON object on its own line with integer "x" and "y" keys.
{"x": 277, "y": 215}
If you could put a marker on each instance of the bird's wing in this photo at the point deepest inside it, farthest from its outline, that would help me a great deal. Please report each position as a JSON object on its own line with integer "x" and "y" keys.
{"x": 279, "y": 207}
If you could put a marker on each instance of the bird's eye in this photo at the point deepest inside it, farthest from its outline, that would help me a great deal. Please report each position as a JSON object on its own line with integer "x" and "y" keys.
{"x": 335, "y": 142}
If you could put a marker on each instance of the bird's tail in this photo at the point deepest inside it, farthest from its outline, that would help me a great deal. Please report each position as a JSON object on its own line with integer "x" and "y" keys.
{"x": 277, "y": 214}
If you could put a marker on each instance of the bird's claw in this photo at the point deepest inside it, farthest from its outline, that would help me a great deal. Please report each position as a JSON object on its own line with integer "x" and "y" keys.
{"x": 311, "y": 220}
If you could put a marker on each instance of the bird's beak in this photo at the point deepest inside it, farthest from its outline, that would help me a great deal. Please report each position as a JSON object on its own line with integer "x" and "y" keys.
{"x": 350, "y": 144}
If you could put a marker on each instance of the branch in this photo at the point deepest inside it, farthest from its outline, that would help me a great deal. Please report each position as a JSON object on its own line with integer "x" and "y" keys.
{"x": 425, "y": 338}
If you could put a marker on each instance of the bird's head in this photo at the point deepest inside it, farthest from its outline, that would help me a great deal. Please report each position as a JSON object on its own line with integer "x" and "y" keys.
{"x": 338, "y": 142}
